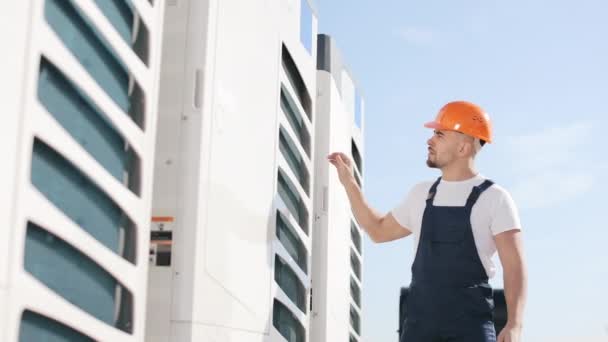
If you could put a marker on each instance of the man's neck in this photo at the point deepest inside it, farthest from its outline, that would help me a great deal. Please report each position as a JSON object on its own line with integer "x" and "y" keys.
{"x": 456, "y": 174}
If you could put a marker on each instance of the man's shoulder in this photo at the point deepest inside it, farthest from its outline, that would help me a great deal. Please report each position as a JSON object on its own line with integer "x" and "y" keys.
{"x": 498, "y": 192}
{"x": 421, "y": 189}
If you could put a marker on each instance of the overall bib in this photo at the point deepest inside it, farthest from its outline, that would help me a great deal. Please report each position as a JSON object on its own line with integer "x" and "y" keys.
{"x": 449, "y": 299}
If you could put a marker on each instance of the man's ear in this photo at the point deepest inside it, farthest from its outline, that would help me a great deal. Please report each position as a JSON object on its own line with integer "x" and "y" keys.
{"x": 466, "y": 148}
{"x": 463, "y": 147}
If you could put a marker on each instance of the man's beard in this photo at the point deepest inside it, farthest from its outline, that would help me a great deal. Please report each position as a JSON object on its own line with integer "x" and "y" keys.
{"x": 431, "y": 164}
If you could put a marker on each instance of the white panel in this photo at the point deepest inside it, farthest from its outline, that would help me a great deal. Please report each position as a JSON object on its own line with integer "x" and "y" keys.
{"x": 14, "y": 35}
{"x": 172, "y": 92}
{"x": 338, "y": 281}
{"x": 191, "y": 170}
{"x": 335, "y": 107}
{"x": 348, "y": 95}
{"x": 202, "y": 332}
{"x": 242, "y": 158}
{"x": 3, "y": 315}
{"x": 167, "y": 166}
{"x": 218, "y": 305}
{"x": 158, "y": 313}
{"x": 28, "y": 29}
{"x": 320, "y": 252}
{"x": 218, "y": 155}
{"x": 181, "y": 331}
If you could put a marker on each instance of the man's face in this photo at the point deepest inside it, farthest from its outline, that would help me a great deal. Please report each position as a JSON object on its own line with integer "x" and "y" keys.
{"x": 447, "y": 146}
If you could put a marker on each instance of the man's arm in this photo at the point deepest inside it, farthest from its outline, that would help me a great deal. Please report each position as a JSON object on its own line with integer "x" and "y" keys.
{"x": 379, "y": 228}
{"x": 510, "y": 250}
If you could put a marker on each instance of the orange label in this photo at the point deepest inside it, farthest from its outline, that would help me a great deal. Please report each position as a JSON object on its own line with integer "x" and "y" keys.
{"x": 162, "y": 218}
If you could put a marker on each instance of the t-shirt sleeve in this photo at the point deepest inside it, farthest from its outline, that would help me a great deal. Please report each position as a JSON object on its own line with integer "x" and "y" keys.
{"x": 506, "y": 215}
{"x": 402, "y": 212}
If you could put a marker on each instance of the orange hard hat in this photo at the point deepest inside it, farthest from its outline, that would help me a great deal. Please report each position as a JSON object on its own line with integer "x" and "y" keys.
{"x": 463, "y": 117}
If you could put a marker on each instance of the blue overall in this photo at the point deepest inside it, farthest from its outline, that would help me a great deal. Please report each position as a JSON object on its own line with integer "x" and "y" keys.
{"x": 449, "y": 299}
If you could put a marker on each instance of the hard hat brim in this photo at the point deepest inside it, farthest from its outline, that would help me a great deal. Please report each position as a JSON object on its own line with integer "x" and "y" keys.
{"x": 435, "y": 125}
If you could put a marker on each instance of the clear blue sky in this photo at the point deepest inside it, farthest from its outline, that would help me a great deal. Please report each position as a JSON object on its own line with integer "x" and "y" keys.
{"x": 540, "y": 69}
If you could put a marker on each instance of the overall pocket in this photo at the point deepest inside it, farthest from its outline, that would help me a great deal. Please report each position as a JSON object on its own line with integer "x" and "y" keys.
{"x": 478, "y": 299}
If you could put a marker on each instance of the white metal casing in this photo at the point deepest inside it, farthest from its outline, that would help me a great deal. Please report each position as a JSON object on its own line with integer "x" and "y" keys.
{"x": 336, "y": 131}
{"x": 216, "y": 169}
{"x": 29, "y": 38}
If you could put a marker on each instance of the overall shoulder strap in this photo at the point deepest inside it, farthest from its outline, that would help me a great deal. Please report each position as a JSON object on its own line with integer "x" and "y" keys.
{"x": 477, "y": 191}
{"x": 433, "y": 191}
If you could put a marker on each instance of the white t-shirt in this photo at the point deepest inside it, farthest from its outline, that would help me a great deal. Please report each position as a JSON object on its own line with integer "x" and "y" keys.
{"x": 493, "y": 213}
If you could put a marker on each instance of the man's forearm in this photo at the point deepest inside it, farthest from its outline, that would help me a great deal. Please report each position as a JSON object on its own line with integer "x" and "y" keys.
{"x": 515, "y": 281}
{"x": 366, "y": 216}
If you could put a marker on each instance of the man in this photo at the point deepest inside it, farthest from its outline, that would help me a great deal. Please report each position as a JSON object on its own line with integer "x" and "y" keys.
{"x": 458, "y": 222}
